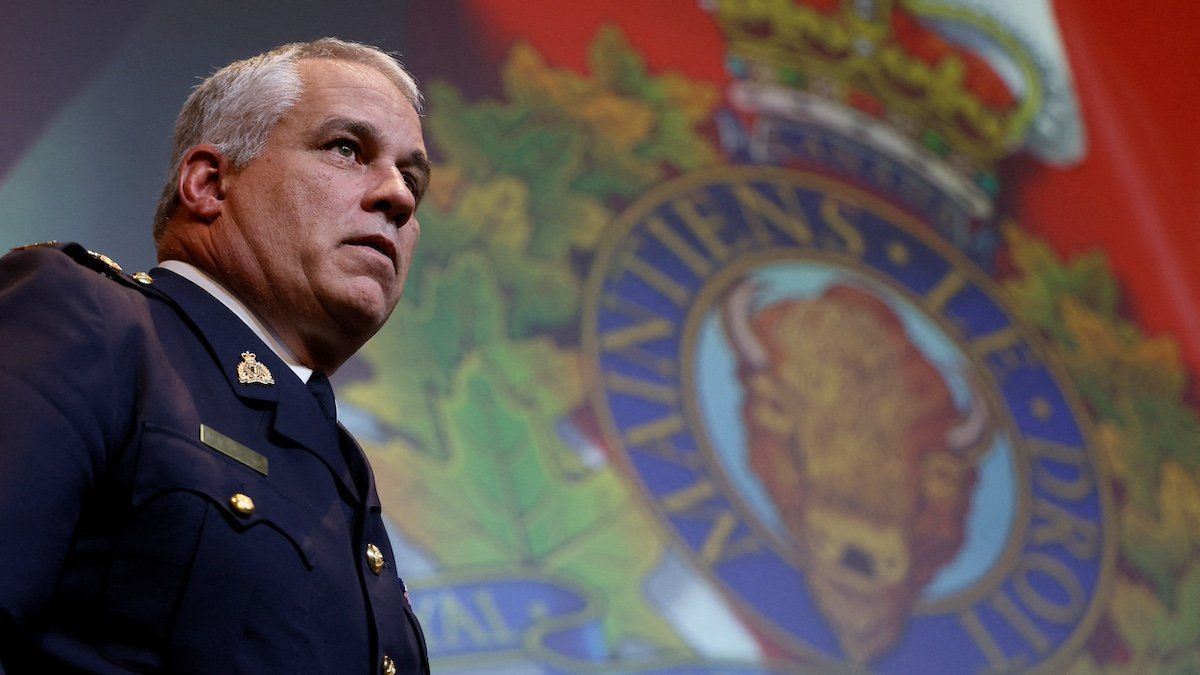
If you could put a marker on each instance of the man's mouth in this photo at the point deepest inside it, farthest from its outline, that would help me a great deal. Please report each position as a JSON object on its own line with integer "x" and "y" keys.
{"x": 376, "y": 242}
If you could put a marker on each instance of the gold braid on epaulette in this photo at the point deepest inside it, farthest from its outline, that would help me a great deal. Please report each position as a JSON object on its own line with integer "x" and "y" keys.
{"x": 101, "y": 263}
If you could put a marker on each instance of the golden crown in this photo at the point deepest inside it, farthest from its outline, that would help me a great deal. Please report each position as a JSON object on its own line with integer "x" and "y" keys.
{"x": 884, "y": 60}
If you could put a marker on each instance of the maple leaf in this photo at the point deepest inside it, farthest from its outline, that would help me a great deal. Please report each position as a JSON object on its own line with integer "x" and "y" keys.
{"x": 530, "y": 174}
{"x": 679, "y": 104}
{"x": 500, "y": 477}
{"x": 1160, "y": 544}
{"x": 1136, "y": 382}
{"x": 1147, "y": 435}
{"x": 416, "y": 354}
{"x": 632, "y": 124}
{"x": 1043, "y": 280}
{"x": 1161, "y": 640}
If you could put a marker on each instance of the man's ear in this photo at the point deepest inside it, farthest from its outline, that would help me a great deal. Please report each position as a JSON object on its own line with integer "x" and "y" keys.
{"x": 202, "y": 175}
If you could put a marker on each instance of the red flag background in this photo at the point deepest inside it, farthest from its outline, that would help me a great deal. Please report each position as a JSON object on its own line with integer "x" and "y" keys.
{"x": 1134, "y": 195}
{"x": 694, "y": 373}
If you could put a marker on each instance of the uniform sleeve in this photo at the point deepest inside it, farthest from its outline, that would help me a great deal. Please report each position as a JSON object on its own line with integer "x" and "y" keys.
{"x": 56, "y": 420}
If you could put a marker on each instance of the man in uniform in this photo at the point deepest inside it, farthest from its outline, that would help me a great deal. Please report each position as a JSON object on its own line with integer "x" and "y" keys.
{"x": 175, "y": 492}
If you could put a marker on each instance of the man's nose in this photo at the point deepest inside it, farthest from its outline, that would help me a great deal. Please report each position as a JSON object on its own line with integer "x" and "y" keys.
{"x": 390, "y": 195}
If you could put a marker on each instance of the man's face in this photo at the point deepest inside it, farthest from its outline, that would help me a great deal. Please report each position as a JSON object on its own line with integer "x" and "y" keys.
{"x": 319, "y": 230}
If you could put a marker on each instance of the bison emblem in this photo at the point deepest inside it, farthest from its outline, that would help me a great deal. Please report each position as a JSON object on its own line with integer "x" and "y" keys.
{"x": 856, "y": 438}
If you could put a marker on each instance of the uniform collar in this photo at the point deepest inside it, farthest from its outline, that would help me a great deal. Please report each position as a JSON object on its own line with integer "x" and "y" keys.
{"x": 231, "y": 342}
{"x": 234, "y": 304}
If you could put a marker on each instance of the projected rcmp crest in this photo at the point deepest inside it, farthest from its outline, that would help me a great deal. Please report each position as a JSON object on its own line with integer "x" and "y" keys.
{"x": 840, "y": 421}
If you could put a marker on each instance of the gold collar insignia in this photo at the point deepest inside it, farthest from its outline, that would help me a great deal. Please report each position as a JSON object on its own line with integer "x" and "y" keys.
{"x": 250, "y": 371}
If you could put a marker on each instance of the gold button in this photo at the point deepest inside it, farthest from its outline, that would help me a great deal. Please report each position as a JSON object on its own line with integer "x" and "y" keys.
{"x": 143, "y": 278}
{"x": 242, "y": 504}
{"x": 389, "y": 666}
{"x": 375, "y": 558}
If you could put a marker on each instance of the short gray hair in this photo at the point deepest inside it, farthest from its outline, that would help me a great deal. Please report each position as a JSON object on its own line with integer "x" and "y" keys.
{"x": 236, "y": 108}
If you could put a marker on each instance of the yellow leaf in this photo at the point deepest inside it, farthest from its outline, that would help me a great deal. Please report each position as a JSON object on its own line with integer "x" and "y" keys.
{"x": 618, "y": 121}
{"x": 1135, "y": 611}
{"x": 1179, "y": 499}
{"x": 1144, "y": 365}
{"x": 694, "y": 99}
{"x": 443, "y": 185}
{"x": 1029, "y": 255}
{"x": 1114, "y": 446}
{"x": 590, "y": 219}
{"x": 499, "y": 209}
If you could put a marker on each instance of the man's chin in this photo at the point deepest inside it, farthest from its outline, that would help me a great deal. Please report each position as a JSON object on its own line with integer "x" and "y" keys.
{"x": 363, "y": 308}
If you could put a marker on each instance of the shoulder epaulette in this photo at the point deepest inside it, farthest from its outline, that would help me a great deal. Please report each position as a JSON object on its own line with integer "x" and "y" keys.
{"x": 97, "y": 262}
{"x": 53, "y": 243}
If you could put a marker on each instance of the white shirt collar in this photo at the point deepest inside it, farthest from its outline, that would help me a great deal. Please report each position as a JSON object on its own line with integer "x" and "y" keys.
{"x": 214, "y": 288}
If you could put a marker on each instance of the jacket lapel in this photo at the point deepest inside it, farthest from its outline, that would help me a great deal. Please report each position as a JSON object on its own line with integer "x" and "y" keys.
{"x": 372, "y": 496}
{"x": 297, "y": 415}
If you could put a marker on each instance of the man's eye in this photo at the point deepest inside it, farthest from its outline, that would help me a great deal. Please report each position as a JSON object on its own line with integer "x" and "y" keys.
{"x": 344, "y": 148}
{"x": 414, "y": 186}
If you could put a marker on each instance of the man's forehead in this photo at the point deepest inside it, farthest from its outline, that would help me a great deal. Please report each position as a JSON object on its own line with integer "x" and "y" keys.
{"x": 347, "y": 94}
{"x": 334, "y": 73}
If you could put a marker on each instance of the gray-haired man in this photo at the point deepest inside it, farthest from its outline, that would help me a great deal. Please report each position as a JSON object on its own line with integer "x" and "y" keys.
{"x": 173, "y": 497}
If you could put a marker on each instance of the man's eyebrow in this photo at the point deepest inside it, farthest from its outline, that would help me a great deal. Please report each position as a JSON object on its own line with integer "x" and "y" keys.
{"x": 359, "y": 128}
{"x": 365, "y": 130}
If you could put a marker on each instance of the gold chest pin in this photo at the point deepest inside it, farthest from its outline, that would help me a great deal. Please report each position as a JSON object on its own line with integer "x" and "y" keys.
{"x": 250, "y": 371}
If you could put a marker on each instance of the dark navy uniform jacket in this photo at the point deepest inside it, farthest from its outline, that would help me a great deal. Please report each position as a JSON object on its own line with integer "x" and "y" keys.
{"x": 122, "y": 548}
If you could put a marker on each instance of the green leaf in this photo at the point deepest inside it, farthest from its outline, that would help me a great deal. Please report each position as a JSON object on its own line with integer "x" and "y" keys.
{"x": 420, "y": 348}
{"x": 1156, "y": 548}
{"x": 514, "y": 496}
{"x": 1182, "y": 632}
